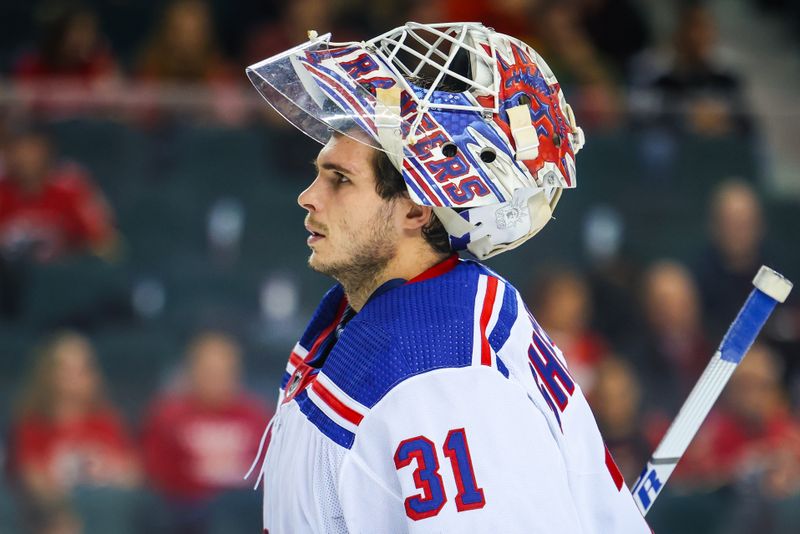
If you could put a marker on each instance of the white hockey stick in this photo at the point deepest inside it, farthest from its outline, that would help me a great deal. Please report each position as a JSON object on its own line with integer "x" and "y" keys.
{"x": 770, "y": 289}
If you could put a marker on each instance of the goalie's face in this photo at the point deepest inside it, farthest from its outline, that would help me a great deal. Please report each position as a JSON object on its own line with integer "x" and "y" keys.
{"x": 353, "y": 231}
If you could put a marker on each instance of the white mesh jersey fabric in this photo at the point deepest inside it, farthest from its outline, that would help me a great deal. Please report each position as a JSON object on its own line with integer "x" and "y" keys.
{"x": 300, "y": 477}
{"x": 327, "y": 467}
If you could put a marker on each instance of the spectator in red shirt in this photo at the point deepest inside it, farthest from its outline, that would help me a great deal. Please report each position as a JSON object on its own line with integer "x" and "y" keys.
{"x": 49, "y": 210}
{"x": 751, "y": 432}
{"x": 201, "y": 440}
{"x": 71, "y": 66}
{"x": 751, "y": 445}
{"x": 67, "y": 434}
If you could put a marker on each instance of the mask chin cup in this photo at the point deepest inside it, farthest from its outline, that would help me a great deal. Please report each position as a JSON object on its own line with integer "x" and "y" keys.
{"x": 486, "y": 231}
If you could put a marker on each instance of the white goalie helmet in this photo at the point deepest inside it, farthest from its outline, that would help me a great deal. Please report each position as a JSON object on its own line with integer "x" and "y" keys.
{"x": 474, "y": 120}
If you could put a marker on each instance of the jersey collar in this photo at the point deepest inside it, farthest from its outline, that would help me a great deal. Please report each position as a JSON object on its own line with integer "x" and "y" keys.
{"x": 437, "y": 270}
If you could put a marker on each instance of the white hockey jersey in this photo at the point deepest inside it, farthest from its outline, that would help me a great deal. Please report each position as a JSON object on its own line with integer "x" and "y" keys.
{"x": 441, "y": 406}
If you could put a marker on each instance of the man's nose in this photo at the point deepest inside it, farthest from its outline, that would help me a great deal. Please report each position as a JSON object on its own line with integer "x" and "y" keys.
{"x": 309, "y": 198}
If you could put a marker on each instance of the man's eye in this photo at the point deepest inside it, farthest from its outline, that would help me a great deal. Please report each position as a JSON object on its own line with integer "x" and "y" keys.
{"x": 341, "y": 178}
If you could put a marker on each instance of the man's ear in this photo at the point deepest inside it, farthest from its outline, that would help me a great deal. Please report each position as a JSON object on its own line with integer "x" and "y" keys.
{"x": 415, "y": 216}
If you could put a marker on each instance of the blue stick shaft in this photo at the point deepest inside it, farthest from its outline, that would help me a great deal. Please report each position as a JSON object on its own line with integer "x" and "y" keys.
{"x": 748, "y": 323}
{"x": 737, "y": 341}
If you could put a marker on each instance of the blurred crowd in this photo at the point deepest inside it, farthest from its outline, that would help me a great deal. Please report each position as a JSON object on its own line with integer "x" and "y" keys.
{"x": 637, "y": 340}
{"x": 197, "y": 439}
{"x": 606, "y": 55}
{"x": 636, "y": 335}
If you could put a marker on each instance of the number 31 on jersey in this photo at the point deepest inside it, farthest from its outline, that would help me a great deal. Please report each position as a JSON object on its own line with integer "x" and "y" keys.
{"x": 432, "y": 498}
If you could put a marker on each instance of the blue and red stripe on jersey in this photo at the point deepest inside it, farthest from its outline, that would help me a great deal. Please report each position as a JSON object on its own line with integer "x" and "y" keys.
{"x": 409, "y": 329}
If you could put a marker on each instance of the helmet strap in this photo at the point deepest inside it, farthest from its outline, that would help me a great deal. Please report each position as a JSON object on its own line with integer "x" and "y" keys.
{"x": 387, "y": 122}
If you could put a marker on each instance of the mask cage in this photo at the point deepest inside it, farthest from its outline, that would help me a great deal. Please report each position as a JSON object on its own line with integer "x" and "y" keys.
{"x": 440, "y": 53}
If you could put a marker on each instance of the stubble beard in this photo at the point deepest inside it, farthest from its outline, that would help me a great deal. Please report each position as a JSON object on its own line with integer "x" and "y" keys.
{"x": 367, "y": 258}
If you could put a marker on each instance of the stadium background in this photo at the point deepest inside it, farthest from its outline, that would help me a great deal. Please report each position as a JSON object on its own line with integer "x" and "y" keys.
{"x": 150, "y": 101}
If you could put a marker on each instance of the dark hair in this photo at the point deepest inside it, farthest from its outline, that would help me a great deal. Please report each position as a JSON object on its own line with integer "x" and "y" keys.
{"x": 389, "y": 184}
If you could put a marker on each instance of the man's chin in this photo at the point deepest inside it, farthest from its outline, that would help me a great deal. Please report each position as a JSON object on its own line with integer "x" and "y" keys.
{"x": 317, "y": 264}
{"x": 326, "y": 267}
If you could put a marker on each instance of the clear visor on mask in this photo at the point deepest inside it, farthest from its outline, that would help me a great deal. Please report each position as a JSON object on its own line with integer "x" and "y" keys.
{"x": 321, "y": 88}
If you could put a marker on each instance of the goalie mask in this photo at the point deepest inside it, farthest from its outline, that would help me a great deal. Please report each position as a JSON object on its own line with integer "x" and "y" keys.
{"x": 474, "y": 120}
